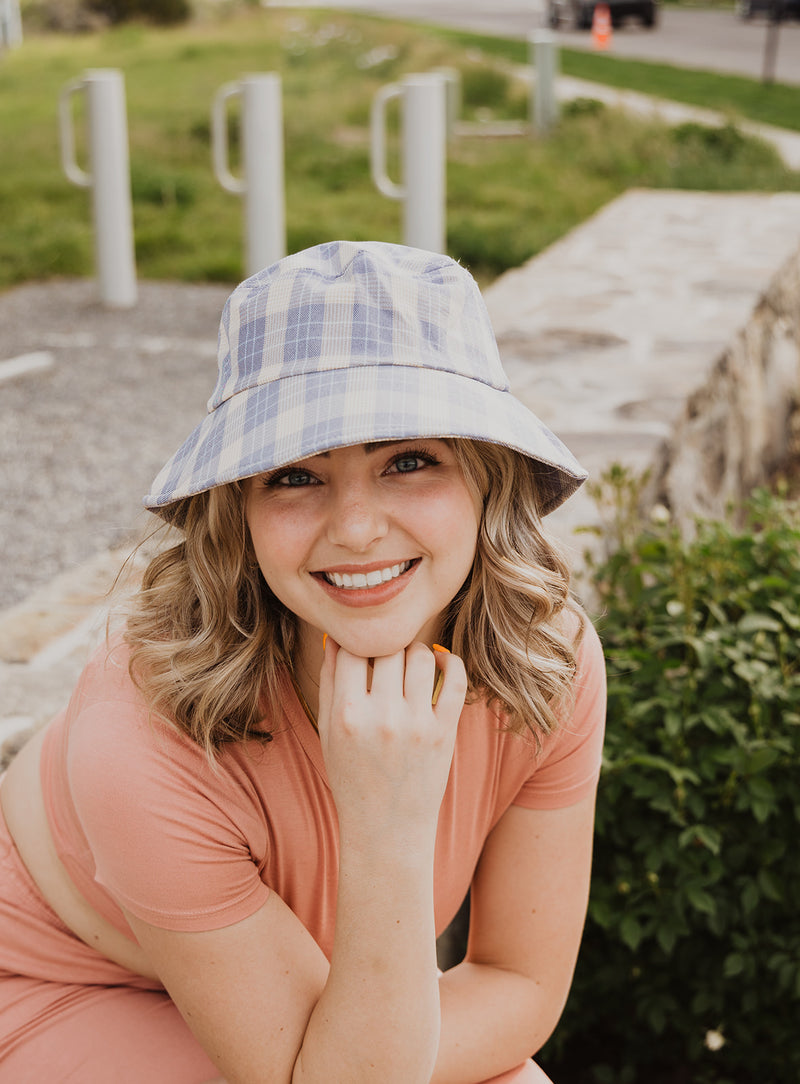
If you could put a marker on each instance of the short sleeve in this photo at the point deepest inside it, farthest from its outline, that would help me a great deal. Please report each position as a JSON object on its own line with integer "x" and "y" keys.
{"x": 568, "y": 767}
{"x": 167, "y": 832}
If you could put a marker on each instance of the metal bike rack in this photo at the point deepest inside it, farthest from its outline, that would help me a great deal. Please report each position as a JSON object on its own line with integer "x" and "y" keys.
{"x": 262, "y": 183}
{"x": 108, "y": 178}
{"x": 543, "y": 53}
{"x": 10, "y": 24}
{"x": 423, "y": 100}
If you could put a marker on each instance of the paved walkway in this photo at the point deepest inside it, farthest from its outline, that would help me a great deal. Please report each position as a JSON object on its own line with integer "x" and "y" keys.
{"x": 604, "y": 335}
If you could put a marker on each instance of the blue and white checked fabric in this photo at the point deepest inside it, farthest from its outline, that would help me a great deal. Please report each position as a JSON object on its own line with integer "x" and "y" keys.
{"x": 348, "y": 343}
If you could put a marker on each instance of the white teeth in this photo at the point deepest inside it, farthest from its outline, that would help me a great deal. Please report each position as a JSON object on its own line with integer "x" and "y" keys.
{"x": 359, "y": 580}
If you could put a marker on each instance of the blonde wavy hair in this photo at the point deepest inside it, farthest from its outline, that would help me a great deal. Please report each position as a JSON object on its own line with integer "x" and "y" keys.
{"x": 210, "y": 642}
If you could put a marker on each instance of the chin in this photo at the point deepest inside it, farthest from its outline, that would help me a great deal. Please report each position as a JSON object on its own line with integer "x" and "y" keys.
{"x": 374, "y": 647}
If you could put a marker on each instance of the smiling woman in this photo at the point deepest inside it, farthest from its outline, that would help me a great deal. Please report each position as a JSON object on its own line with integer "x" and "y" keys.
{"x": 354, "y": 689}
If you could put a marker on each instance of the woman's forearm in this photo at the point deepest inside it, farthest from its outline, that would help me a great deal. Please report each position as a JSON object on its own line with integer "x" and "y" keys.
{"x": 492, "y": 1020}
{"x": 378, "y": 1017}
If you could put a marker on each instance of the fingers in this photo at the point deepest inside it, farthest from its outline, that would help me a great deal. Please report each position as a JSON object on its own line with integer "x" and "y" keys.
{"x": 415, "y": 674}
{"x": 388, "y": 675}
{"x": 408, "y": 674}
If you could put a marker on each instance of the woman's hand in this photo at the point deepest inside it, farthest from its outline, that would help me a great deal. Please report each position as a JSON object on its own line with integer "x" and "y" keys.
{"x": 387, "y": 749}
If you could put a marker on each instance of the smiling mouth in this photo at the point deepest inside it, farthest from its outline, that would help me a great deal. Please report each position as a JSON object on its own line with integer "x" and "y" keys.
{"x": 360, "y": 581}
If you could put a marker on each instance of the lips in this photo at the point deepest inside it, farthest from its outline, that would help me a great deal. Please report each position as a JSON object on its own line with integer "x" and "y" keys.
{"x": 369, "y": 586}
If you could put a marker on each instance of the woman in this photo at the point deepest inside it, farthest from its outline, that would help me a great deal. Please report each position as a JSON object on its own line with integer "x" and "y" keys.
{"x": 355, "y": 689}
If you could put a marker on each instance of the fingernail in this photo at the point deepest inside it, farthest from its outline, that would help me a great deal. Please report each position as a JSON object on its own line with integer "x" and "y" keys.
{"x": 438, "y": 647}
{"x": 324, "y": 641}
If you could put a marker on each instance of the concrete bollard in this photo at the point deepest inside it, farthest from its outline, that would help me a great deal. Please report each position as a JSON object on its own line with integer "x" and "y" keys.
{"x": 262, "y": 183}
{"x": 10, "y": 24}
{"x": 452, "y": 78}
{"x": 543, "y": 53}
{"x": 108, "y": 178}
{"x": 423, "y": 100}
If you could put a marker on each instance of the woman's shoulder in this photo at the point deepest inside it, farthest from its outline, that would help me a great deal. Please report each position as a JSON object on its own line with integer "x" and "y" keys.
{"x": 108, "y": 716}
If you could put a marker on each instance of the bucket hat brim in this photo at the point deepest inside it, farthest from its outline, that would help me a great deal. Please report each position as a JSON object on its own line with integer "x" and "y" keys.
{"x": 269, "y": 426}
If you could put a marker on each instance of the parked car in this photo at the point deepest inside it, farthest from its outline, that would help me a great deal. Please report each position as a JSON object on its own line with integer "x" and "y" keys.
{"x": 775, "y": 9}
{"x": 579, "y": 13}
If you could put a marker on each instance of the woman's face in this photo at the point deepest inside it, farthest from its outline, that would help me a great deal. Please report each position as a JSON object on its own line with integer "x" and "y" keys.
{"x": 368, "y": 544}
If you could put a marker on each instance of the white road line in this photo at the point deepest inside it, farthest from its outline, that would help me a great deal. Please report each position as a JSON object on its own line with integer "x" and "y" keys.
{"x": 26, "y": 363}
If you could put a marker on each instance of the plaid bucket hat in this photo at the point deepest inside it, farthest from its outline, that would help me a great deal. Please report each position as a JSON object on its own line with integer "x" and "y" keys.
{"x": 349, "y": 343}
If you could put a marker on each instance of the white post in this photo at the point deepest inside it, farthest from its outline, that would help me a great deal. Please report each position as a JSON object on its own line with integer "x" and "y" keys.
{"x": 424, "y": 156}
{"x": 262, "y": 184}
{"x": 543, "y": 53}
{"x": 108, "y": 178}
{"x": 452, "y": 83}
{"x": 10, "y": 24}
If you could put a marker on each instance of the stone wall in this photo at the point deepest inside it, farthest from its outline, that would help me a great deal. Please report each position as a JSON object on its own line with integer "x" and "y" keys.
{"x": 663, "y": 335}
{"x": 741, "y": 423}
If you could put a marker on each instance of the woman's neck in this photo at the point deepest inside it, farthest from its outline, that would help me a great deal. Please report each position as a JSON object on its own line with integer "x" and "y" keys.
{"x": 307, "y": 664}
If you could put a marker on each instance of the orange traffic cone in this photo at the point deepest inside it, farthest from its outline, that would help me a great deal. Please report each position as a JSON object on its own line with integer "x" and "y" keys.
{"x": 601, "y": 26}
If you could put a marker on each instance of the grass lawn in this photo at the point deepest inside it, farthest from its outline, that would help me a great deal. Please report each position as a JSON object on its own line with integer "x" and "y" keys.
{"x": 733, "y": 95}
{"x": 507, "y": 197}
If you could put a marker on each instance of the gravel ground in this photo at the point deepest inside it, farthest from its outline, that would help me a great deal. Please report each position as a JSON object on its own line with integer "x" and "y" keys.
{"x": 82, "y": 438}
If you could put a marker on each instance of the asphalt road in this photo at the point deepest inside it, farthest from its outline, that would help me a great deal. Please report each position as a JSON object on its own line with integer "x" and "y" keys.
{"x": 689, "y": 38}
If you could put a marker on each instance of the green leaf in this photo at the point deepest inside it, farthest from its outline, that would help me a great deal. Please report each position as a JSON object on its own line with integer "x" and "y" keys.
{"x": 769, "y": 885}
{"x": 760, "y": 759}
{"x": 762, "y": 811}
{"x": 791, "y": 619}
{"x": 756, "y": 622}
{"x": 676, "y": 774}
{"x": 750, "y": 897}
{"x": 761, "y": 788}
{"x": 751, "y": 670}
{"x": 666, "y": 937}
{"x": 631, "y": 932}
{"x": 702, "y": 835}
{"x": 734, "y": 965}
{"x": 700, "y": 899}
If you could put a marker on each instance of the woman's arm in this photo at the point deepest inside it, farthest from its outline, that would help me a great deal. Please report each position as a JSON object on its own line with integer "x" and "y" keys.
{"x": 259, "y": 994}
{"x": 527, "y": 910}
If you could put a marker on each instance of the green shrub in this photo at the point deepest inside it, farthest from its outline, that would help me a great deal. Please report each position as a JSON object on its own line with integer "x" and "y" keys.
{"x": 161, "y": 186}
{"x": 156, "y": 11}
{"x": 582, "y": 107}
{"x": 484, "y": 87}
{"x": 690, "y": 966}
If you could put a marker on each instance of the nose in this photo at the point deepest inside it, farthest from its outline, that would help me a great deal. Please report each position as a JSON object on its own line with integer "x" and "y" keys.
{"x": 356, "y": 518}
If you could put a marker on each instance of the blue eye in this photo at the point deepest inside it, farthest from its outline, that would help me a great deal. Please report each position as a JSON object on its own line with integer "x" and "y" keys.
{"x": 290, "y": 476}
{"x": 296, "y": 478}
{"x": 407, "y": 464}
{"x": 411, "y": 461}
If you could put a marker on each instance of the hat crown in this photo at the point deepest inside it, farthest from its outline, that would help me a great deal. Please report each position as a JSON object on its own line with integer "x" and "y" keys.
{"x": 344, "y": 305}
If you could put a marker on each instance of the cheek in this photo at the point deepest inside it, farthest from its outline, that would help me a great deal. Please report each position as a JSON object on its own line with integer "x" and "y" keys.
{"x": 275, "y": 546}
{"x": 454, "y": 525}
{"x": 277, "y": 533}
